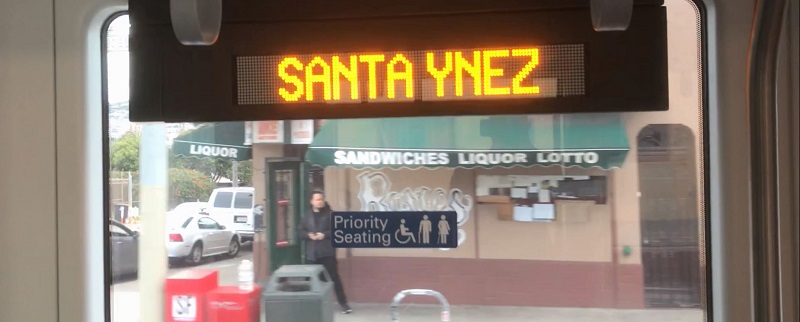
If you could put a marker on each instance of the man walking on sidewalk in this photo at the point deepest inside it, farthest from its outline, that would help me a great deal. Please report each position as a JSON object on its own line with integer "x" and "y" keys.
{"x": 315, "y": 229}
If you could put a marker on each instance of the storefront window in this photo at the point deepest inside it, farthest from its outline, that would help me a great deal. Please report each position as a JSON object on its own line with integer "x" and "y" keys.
{"x": 562, "y": 217}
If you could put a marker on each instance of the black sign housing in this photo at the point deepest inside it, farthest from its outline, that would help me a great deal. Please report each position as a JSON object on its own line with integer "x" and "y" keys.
{"x": 625, "y": 71}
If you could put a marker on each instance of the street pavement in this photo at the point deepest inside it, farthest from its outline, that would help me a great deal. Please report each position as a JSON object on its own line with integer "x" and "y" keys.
{"x": 125, "y": 293}
{"x": 125, "y": 306}
{"x": 428, "y": 313}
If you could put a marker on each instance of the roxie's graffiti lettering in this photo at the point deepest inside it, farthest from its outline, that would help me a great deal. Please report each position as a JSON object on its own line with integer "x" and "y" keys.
{"x": 375, "y": 195}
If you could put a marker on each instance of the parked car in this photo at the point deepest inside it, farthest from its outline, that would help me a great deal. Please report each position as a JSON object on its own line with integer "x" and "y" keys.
{"x": 124, "y": 249}
{"x": 188, "y": 208}
{"x": 233, "y": 207}
{"x": 196, "y": 236}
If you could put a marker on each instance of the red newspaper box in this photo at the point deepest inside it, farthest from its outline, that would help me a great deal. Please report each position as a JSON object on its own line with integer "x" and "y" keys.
{"x": 229, "y": 303}
{"x": 185, "y": 294}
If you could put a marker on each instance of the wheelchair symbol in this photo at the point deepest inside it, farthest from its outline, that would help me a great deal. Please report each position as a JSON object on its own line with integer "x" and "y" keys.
{"x": 405, "y": 232}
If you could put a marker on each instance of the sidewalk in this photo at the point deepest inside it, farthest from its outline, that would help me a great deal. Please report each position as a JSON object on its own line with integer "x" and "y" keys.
{"x": 429, "y": 313}
{"x": 125, "y": 309}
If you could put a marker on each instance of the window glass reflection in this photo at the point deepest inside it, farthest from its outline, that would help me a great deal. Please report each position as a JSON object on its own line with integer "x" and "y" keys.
{"x": 562, "y": 217}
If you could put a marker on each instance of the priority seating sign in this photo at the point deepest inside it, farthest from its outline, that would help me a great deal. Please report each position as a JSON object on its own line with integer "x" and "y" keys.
{"x": 394, "y": 229}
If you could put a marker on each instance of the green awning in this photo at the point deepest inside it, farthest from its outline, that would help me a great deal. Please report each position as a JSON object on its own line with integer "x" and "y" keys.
{"x": 583, "y": 140}
{"x": 222, "y": 140}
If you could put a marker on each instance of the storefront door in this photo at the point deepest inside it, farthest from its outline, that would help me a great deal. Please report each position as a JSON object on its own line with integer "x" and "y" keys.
{"x": 285, "y": 204}
{"x": 668, "y": 208}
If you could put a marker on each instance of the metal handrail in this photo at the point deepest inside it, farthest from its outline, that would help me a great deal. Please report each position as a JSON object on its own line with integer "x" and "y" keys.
{"x": 762, "y": 106}
{"x": 445, "y": 317}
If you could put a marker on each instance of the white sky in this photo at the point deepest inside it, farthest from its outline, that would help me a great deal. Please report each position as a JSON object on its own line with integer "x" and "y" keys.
{"x": 118, "y": 61}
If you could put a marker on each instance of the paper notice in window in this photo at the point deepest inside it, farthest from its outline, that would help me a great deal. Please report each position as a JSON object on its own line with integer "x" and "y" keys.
{"x": 544, "y": 195}
{"x": 519, "y": 193}
{"x": 544, "y": 211}
{"x": 523, "y": 213}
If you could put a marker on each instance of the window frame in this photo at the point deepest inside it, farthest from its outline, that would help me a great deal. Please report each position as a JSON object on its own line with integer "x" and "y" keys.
{"x": 707, "y": 16}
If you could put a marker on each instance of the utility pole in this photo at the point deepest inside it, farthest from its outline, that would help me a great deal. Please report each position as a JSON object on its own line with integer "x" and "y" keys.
{"x": 153, "y": 264}
{"x": 130, "y": 191}
{"x": 235, "y": 171}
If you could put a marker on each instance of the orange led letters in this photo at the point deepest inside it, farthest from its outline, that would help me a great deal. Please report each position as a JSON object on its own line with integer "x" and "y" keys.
{"x": 324, "y": 78}
{"x": 393, "y": 75}
{"x": 371, "y": 60}
{"x": 350, "y": 74}
{"x": 473, "y": 69}
{"x": 487, "y": 71}
{"x": 440, "y": 74}
{"x": 533, "y": 53}
{"x": 290, "y": 79}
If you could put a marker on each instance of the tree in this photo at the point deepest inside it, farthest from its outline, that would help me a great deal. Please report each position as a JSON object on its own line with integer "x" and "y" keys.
{"x": 245, "y": 173}
{"x": 125, "y": 153}
{"x": 204, "y": 165}
{"x": 216, "y": 168}
{"x": 222, "y": 168}
{"x": 189, "y": 185}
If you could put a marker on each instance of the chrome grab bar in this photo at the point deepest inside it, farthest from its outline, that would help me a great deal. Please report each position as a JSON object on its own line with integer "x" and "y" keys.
{"x": 445, "y": 317}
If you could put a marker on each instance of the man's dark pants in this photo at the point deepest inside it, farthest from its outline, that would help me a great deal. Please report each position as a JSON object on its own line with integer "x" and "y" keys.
{"x": 331, "y": 266}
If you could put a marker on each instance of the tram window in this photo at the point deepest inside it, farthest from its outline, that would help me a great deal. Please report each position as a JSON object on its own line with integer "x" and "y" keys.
{"x": 600, "y": 215}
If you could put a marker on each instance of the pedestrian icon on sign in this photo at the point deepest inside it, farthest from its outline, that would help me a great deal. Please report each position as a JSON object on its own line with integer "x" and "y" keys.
{"x": 425, "y": 230}
{"x": 444, "y": 230}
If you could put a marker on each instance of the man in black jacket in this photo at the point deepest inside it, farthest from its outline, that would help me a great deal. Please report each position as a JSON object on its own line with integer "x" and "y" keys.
{"x": 315, "y": 229}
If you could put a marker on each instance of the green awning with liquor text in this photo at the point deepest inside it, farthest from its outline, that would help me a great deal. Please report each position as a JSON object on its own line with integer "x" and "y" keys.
{"x": 579, "y": 140}
{"x": 221, "y": 140}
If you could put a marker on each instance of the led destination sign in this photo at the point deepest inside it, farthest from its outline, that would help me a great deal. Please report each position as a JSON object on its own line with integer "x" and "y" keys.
{"x": 384, "y": 59}
{"x": 403, "y": 76}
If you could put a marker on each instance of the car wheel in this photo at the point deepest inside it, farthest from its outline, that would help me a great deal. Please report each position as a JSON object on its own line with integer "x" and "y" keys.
{"x": 196, "y": 254}
{"x": 233, "y": 248}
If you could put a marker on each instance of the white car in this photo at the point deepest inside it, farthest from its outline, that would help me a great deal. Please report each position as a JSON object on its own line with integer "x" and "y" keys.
{"x": 188, "y": 208}
{"x": 193, "y": 237}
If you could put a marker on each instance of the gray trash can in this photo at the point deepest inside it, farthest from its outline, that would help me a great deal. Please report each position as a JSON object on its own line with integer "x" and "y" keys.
{"x": 298, "y": 293}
